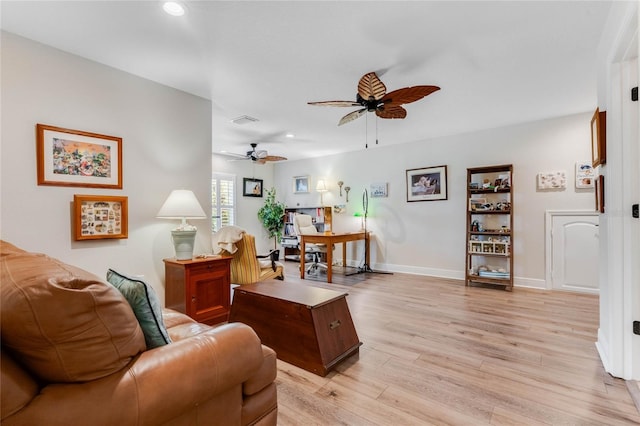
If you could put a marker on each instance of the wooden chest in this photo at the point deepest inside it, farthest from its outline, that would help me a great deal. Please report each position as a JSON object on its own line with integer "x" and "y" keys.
{"x": 308, "y": 327}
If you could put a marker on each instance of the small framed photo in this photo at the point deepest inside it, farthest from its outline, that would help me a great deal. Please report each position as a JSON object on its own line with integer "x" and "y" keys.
{"x": 100, "y": 217}
{"x": 378, "y": 189}
{"x": 300, "y": 184}
{"x": 68, "y": 157}
{"x": 585, "y": 175}
{"x": 427, "y": 184}
{"x": 598, "y": 138}
{"x": 251, "y": 187}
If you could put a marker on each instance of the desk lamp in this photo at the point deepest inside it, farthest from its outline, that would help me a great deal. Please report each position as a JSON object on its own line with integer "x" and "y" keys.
{"x": 182, "y": 204}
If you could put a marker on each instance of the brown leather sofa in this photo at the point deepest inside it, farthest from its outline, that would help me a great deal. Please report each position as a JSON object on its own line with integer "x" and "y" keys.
{"x": 74, "y": 353}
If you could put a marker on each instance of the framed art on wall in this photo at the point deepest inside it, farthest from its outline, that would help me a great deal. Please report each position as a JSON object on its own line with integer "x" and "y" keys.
{"x": 251, "y": 187}
{"x": 427, "y": 184}
{"x": 68, "y": 157}
{"x": 585, "y": 175}
{"x": 300, "y": 184}
{"x": 600, "y": 194}
{"x": 99, "y": 217}
{"x": 599, "y": 138}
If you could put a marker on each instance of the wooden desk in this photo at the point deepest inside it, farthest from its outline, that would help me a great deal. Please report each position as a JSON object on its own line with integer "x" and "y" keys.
{"x": 330, "y": 239}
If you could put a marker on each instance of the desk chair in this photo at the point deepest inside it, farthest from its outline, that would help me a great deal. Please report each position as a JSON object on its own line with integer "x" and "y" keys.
{"x": 302, "y": 224}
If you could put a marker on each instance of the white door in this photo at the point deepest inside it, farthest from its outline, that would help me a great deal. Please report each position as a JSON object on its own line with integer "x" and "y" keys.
{"x": 574, "y": 252}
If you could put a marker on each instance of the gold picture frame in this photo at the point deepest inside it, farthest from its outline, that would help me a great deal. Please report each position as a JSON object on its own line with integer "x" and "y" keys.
{"x": 100, "y": 217}
{"x": 598, "y": 138}
{"x": 67, "y": 157}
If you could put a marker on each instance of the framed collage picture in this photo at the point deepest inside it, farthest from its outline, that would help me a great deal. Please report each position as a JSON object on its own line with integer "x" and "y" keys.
{"x": 99, "y": 217}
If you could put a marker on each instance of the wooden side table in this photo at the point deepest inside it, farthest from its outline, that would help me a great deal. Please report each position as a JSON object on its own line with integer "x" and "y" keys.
{"x": 200, "y": 288}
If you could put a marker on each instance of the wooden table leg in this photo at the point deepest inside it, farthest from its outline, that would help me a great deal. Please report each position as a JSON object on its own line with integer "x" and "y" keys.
{"x": 344, "y": 254}
{"x": 367, "y": 249}
{"x": 303, "y": 257}
{"x": 329, "y": 262}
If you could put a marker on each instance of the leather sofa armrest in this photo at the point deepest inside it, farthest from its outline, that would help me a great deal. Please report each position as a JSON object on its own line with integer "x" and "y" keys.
{"x": 159, "y": 385}
{"x": 195, "y": 369}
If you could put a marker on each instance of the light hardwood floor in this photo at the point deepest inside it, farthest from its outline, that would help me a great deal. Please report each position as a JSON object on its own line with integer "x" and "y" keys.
{"x": 437, "y": 352}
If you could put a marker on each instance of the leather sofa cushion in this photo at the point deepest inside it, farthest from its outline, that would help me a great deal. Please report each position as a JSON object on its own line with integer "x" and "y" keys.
{"x": 63, "y": 323}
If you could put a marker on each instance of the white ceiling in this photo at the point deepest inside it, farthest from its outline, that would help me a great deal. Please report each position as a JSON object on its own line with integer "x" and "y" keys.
{"x": 498, "y": 63}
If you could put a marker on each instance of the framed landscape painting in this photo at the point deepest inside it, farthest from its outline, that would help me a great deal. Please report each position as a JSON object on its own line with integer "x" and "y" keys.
{"x": 67, "y": 157}
{"x": 427, "y": 184}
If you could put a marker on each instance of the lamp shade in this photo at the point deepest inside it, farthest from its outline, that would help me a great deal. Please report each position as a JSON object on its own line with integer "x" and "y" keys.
{"x": 321, "y": 186}
{"x": 181, "y": 204}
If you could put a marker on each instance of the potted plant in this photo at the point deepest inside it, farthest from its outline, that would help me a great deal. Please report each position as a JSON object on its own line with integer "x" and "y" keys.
{"x": 271, "y": 215}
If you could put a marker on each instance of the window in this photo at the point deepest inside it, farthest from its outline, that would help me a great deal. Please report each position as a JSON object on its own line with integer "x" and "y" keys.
{"x": 223, "y": 201}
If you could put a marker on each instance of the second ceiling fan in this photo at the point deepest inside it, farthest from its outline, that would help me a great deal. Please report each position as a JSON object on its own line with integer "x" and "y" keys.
{"x": 372, "y": 95}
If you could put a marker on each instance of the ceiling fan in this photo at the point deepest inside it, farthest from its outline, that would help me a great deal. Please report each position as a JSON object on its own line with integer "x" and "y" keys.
{"x": 372, "y": 95}
{"x": 259, "y": 156}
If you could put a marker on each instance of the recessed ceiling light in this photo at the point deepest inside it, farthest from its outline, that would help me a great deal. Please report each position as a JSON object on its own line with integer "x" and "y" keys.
{"x": 173, "y": 8}
{"x": 289, "y": 135}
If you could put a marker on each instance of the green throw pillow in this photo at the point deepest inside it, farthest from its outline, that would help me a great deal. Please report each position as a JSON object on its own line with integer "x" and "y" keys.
{"x": 145, "y": 306}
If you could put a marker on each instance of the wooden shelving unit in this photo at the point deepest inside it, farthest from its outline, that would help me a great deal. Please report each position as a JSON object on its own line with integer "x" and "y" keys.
{"x": 321, "y": 217}
{"x": 489, "y": 254}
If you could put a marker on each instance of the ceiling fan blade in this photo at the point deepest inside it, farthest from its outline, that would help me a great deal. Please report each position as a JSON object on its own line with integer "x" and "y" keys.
{"x": 407, "y": 95}
{"x": 274, "y": 158}
{"x": 391, "y": 111}
{"x": 335, "y": 103}
{"x": 352, "y": 116}
{"x": 234, "y": 155}
{"x": 371, "y": 86}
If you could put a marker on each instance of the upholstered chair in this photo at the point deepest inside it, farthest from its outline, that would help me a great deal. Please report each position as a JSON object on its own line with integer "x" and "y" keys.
{"x": 247, "y": 267}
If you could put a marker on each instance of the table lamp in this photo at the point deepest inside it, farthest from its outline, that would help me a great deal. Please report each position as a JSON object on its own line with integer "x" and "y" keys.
{"x": 182, "y": 204}
{"x": 321, "y": 187}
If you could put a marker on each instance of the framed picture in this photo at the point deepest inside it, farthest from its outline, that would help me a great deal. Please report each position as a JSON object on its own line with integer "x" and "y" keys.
{"x": 68, "y": 157}
{"x": 300, "y": 184}
{"x": 600, "y": 194}
{"x": 100, "y": 217}
{"x": 251, "y": 187}
{"x": 598, "y": 138}
{"x": 585, "y": 175}
{"x": 378, "y": 189}
{"x": 428, "y": 184}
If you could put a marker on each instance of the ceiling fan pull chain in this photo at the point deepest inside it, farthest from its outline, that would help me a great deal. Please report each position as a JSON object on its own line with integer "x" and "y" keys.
{"x": 376, "y": 130}
{"x": 366, "y": 131}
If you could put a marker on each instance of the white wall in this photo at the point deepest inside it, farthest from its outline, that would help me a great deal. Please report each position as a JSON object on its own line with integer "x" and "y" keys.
{"x": 166, "y": 145}
{"x": 429, "y": 237}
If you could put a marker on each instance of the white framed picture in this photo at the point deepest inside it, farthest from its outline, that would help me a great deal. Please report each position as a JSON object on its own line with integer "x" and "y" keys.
{"x": 585, "y": 175}
{"x": 378, "y": 189}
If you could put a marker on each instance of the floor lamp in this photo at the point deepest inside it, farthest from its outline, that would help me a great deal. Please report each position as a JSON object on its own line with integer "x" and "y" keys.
{"x": 365, "y": 267}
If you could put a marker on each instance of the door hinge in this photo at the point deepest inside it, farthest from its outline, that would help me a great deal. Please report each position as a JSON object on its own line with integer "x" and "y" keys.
{"x": 634, "y": 94}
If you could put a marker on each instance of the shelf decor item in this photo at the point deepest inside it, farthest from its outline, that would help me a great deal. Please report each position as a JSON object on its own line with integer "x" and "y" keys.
{"x": 252, "y": 187}
{"x": 68, "y": 157}
{"x": 99, "y": 217}
{"x": 427, "y": 184}
{"x": 598, "y": 138}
